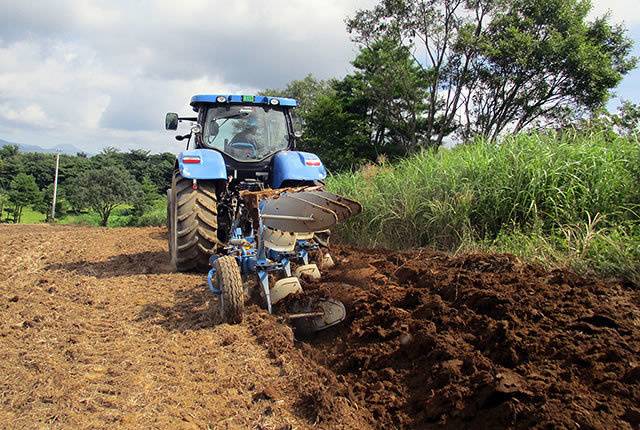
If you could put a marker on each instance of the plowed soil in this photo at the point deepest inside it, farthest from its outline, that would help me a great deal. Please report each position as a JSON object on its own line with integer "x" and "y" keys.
{"x": 97, "y": 331}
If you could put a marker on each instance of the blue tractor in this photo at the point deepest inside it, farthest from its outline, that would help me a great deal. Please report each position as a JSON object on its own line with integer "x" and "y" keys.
{"x": 244, "y": 205}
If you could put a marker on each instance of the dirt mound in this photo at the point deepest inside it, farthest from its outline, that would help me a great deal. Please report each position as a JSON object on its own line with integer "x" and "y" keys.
{"x": 481, "y": 341}
{"x": 96, "y": 331}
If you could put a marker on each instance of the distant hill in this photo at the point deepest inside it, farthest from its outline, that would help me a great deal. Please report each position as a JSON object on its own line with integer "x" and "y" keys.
{"x": 65, "y": 148}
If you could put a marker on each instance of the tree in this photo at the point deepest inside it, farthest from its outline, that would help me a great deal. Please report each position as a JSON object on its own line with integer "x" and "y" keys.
{"x": 103, "y": 189}
{"x": 157, "y": 167}
{"x": 109, "y": 156}
{"x": 3, "y": 199}
{"x": 160, "y": 170}
{"x": 394, "y": 90}
{"x": 75, "y": 198}
{"x": 44, "y": 203}
{"x": 435, "y": 24}
{"x": 23, "y": 191}
{"x": 10, "y": 164}
{"x": 304, "y": 91}
{"x": 609, "y": 125}
{"x": 495, "y": 63}
{"x": 145, "y": 199}
{"x": 40, "y": 166}
{"x": 337, "y": 130}
{"x": 136, "y": 162}
{"x": 539, "y": 56}
{"x": 72, "y": 166}
{"x": 628, "y": 118}
{"x": 374, "y": 111}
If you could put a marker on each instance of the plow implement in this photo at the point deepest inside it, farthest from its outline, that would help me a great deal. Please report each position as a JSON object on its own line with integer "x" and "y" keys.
{"x": 285, "y": 226}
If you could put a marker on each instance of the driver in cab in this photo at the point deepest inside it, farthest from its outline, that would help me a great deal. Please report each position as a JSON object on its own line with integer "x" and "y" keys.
{"x": 248, "y": 135}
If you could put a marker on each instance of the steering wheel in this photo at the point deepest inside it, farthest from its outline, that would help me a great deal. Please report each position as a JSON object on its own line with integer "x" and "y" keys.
{"x": 245, "y": 146}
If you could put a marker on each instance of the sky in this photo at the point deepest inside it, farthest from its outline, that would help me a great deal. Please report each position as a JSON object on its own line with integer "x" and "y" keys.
{"x": 94, "y": 74}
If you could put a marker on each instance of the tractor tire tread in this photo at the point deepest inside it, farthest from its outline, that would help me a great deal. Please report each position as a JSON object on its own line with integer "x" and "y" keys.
{"x": 229, "y": 281}
{"x": 196, "y": 224}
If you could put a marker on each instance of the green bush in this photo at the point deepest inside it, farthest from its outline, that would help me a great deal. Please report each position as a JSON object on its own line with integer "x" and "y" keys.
{"x": 478, "y": 189}
{"x": 155, "y": 218}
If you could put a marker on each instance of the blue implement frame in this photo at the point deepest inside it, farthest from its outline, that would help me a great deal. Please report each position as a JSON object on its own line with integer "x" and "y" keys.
{"x": 256, "y": 258}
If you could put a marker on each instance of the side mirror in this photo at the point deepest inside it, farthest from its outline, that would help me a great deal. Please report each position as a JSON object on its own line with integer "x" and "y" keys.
{"x": 298, "y": 126}
{"x": 171, "y": 121}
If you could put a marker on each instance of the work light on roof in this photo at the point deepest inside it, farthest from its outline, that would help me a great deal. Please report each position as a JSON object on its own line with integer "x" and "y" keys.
{"x": 274, "y": 102}
{"x": 221, "y": 99}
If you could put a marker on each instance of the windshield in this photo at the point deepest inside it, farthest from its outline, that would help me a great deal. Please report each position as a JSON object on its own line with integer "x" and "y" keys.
{"x": 246, "y": 133}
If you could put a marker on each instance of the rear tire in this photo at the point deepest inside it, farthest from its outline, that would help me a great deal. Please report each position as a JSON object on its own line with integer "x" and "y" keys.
{"x": 195, "y": 218}
{"x": 229, "y": 281}
{"x": 171, "y": 225}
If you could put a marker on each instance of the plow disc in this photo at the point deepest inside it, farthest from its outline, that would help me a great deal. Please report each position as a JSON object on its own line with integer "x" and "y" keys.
{"x": 302, "y": 209}
{"x": 309, "y": 315}
{"x": 290, "y": 213}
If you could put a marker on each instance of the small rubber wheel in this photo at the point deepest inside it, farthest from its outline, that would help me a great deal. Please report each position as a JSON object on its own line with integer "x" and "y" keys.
{"x": 229, "y": 281}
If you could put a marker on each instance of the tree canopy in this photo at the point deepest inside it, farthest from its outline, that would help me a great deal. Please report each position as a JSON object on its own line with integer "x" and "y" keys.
{"x": 541, "y": 55}
{"x": 23, "y": 191}
{"x": 104, "y": 188}
{"x": 153, "y": 171}
{"x": 429, "y": 71}
{"x": 494, "y": 64}
{"x": 305, "y": 91}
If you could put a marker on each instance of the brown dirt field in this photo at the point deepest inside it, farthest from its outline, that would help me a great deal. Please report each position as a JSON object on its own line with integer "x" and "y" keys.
{"x": 96, "y": 331}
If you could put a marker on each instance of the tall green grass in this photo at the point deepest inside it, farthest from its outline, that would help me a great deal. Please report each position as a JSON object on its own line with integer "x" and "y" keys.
{"x": 539, "y": 187}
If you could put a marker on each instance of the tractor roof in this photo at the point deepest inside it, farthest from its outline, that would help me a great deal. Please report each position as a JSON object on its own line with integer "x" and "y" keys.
{"x": 220, "y": 99}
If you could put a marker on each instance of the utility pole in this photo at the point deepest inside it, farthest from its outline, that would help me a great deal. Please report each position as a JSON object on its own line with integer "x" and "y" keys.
{"x": 55, "y": 187}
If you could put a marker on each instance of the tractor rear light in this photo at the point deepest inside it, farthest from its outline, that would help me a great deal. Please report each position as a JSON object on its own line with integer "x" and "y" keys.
{"x": 221, "y": 99}
{"x": 191, "y": 160}
{"x": 312, "y": 162}
{"x": 274, "y": 102}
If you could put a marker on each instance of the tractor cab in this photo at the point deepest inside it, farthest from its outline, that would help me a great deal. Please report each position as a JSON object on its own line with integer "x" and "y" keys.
{"x": 246, "y": 133}
{"x": 243, "y": 128}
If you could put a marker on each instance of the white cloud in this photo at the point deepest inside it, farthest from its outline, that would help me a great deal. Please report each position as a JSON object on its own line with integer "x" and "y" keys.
{"x": 108, "y": 71}
{"x": 65, "y": 79}
{"x": 28, "y": 114}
